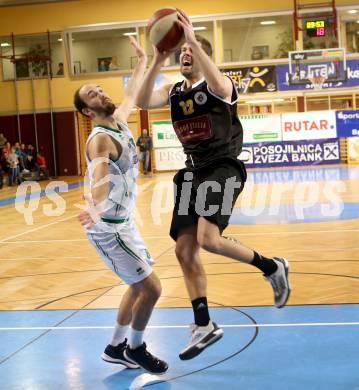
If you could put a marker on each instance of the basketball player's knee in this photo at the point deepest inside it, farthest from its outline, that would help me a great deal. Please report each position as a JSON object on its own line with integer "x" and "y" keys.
{"x": 182, "y": 254}
{"x": 208, "y": 242}
{"x": 187, "y": 259}
{"x": 155, "y": 289}
{"x": 151, "y": 288}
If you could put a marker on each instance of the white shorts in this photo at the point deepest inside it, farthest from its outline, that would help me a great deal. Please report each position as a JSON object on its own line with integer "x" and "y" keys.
{"x": 125, "y": 252}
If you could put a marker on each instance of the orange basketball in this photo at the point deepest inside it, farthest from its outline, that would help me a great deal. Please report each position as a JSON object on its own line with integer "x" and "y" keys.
{"x": 164, "y": 31}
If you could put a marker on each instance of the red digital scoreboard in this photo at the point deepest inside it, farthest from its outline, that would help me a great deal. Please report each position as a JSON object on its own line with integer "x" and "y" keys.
{"x": 315, "y": 28}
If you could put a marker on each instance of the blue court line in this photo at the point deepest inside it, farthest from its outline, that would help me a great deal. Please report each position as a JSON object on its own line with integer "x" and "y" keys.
{"x": 40, "y": 194}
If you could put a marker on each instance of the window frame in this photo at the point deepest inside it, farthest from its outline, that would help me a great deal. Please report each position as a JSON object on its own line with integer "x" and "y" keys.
{"x": 13, "y": 39}
{"x": 98, "y": 27}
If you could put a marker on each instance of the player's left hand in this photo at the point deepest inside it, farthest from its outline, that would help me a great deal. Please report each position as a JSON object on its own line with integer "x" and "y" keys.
{"x": 85, "y": 219}
{"x": 140, "y": 53}
{"x": 186, "y": 24}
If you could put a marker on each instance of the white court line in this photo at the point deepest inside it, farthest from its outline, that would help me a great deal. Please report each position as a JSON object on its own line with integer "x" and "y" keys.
{"x": 186, "y": 326}
{"x": 157, "y": 237}
{"x": 47, "y": 258}
{"x": 36, "y": 229}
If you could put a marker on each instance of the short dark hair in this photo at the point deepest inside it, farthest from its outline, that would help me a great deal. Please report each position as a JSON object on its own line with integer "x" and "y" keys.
{"x": 206, "y": 45}
{"x": 79, "y": 103}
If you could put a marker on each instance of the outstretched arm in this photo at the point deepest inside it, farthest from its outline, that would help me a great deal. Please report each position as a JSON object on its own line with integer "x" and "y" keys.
{"x": 124, "y": 109}
{"x": 217, "y": 82}
{"x": 147, "y": 97}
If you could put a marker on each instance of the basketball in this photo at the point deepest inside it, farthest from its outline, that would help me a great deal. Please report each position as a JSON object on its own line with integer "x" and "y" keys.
{"x": 164, "y": 31}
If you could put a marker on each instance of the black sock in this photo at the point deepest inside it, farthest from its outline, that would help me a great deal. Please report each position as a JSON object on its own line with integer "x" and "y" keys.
{"x": 200, "y": 310}
{"x": 267, "y": 266}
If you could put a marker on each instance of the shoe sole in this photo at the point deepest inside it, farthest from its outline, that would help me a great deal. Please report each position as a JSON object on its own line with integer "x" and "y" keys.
{"x": 109, "y": 359}
{"x": 140, "y": 365}
{"x": 195, "y": 351}
{"x": 286, "y": 269}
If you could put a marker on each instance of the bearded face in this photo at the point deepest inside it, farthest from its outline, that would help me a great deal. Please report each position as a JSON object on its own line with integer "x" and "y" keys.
{"x": 105, "y": 109}
{"x": 97, "y": 100}
{"x": 187, "y": 66}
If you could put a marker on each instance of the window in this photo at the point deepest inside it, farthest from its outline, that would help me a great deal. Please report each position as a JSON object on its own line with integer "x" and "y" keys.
{"x": 259, "y": 38}
{"x": 6, "y": 50}
{"x": 317, "y": 103}
{"x": 350, "y": 29}
{"x": 341, "y": 102}
{"x": 242, "y": 109}
{"x": 106, "y": 50}
{"x": 285, "y": 105}
{"x": 32, "y": 53}
{"x": 352, "y": 36}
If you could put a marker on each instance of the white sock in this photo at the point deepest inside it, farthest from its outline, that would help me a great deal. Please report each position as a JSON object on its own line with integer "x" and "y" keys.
{"x": 136, "y": 338}
{"x": 119, "y": 334}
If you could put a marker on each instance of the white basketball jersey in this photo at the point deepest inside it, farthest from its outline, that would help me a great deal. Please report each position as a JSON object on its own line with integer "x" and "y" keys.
{"x": 122, "y": 175}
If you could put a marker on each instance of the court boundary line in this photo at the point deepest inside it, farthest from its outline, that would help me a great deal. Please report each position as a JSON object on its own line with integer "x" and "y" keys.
{"x": 284, "y": 325}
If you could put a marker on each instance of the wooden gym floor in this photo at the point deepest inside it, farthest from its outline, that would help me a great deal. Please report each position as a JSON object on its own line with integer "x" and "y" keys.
{"x": 50, "y": 264}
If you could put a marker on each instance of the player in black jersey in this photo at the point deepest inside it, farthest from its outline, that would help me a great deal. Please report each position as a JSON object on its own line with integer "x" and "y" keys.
{"x": 204, "y": 116}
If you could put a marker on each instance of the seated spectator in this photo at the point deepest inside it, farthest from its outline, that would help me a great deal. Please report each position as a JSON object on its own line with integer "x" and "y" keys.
{"x": 1, "y": 176}
{"x": 21, "y": 155}
{"x": 2, "y": 142}
{"x": 41, "y": 162}
{"x": 23, "y": 148}
{"x": 31, "y": 151}
{"x": 4, "y": 155}
{"x": 30, "y": 163}
{"x": 6, "y": 150}
{"x": 31, "y": 171}
{"x": 14, "y": 171}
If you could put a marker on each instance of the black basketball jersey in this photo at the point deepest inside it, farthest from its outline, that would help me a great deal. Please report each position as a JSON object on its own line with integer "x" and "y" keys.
{"x": 207, "y": 126}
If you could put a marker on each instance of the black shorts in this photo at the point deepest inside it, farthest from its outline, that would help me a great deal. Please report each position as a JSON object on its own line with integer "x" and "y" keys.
{"x": 208, "y": 192}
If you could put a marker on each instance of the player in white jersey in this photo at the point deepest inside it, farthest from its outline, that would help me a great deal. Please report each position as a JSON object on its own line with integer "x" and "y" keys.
{"x": 109, "y": 221}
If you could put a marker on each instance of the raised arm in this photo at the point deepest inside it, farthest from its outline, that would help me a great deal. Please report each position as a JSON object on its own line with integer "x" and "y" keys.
{"x": 124, "y": 109}
{"x": 219, "y": 84}
{"x": 147, "y": 97}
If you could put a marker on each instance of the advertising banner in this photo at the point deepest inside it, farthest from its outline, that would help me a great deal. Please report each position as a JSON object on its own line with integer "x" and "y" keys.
{"x": 353, "y": 150}
{"x": 309, "y": 125}
{"x": 169, "y": 159}
{"x": 260, "y": 128}
{"x": 347, "y": 123}
{"x": 164, "y": 136}
{"x": 352, "y": 78}
{"x": 254, "y": 79}
{"x": 291, "y": 153}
